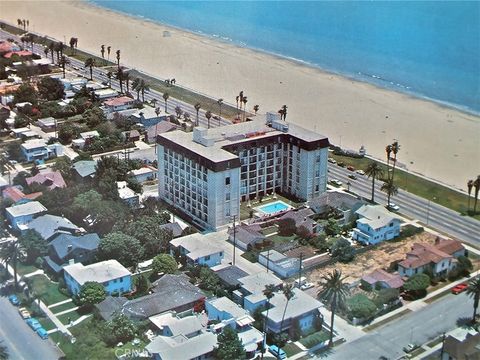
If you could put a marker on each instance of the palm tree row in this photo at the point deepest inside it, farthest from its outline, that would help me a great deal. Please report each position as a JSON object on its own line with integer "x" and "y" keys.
{"x": 73, "y": 44}
{"x": 283, "y": 112}
{"x": 23, "y": 23}
{"x": 242, "y": 99}
{"x": 389, "y": 186}
{"x": 476, "y": 185}
{"x": 140, "y": 86}
{"x": 11, "y": 253}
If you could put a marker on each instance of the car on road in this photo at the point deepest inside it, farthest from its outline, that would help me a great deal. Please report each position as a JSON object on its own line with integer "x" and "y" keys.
{"x": 393, "y": 207}
{"x": 360, "y": 172}
{"x": 332, "y": 161}
{"x": 24, "y": 313}
{"x": 277, "y": 352}
{"x": 457, "y": 289}
{"x": 341, "y": 164}
{"x": 410, "y": 347}
{"x": 42, "y": 333}
{"x": 33, "y": 323}
{"x": 350, "y": 168}
{"x": 14, "y": 300}
{"x": 336, "y": 182}
{"x": 352, "y": 176}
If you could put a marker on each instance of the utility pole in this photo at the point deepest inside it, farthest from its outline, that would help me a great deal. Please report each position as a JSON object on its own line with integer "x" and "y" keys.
{"x": 268, "y": 258}
{"x": 300, "y": 271}
{"x": 234, "y": 238}
{"x": 443, "y": 346}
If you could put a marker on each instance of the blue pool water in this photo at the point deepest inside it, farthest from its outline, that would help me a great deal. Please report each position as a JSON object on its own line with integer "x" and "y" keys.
{"x": 427, "y": 48}
{"x": 274, "y": 207}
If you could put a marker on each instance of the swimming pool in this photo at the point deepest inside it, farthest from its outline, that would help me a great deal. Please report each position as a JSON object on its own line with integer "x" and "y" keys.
{"x": 274, "y": 207}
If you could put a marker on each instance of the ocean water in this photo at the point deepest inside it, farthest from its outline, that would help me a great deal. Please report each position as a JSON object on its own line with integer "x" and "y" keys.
{"x": 430, "y": 49}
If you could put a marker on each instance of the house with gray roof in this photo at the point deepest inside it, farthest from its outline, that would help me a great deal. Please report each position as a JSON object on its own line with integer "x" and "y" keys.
{"x": 21, "y": 214}
{"x": 182, "y": 348}
{"x": 343, "y": 202}
{"x": 250, "y": 294}
{"x": 66, "y": 247}
{"x": 375, "y": 224}
{"x": 49, "y": 225}
{"x": 175, "y": 228}
{"x": 283, "y": 266}
{"x": 85, "y": 169}
{"x": 169, "y": 324}
{"x": 302, "y": 217}
{"x": 230, "y": 275}
{"x": 246, "y": 236}
{"x": 198, "y": 249}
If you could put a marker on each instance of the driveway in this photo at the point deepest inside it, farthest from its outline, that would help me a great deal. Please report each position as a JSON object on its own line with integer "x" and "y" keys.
{"x": 21, "y": 341}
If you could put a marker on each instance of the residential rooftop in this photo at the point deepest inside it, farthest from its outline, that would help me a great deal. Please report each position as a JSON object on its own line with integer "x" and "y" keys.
{"x": 376, "y": 216}
{"x": 99, "y": 272}
{"x": 29, "y": 208}
{"x": 256, "y": 283}
{"x": 180, "y": 326}
{"x": 298, "y": 305}
{"x": 198, "y": 245}
{"x": 48, "y": 225}
{"x": 182, "y": 348}
{"x": 227, "y": 306}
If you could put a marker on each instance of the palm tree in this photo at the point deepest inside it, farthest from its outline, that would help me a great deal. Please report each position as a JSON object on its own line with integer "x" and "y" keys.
{"x": 269, "y": 292}
{"x": 284, "y": 112}
{"x": 244, "y": 101}
{"x": 45, "y": 50}
{"x": 375, "y": 171}
{"x": 143, "y": 87}
{"x": 333, "y": 293}
{"x": 19, "y": 22}
{"x": 119, "y": 76}
{"x": 388, "y": 150}
{"x": 51, "y": 47}
{"x": 109, "y": 76}
{"x": 208, "y": 115}
{"x": 118, "y": 58}
{"x": 474, "y": 291}
{"x": 255, "y": 108}
{"x": 197, "y": 107}
{"x": 109, "y": 49}
{"x": 237, "y": 98}
{"x": 126, "y": 78}
{"x": 63, "y": 61}
{"x": 165, "y": 97}
{"x": 469, "y": 187}
{"x": 288, "y": 293}
{"x": 390, "y": 188}
{"x": 157, "y": 111}
{"x": 24, "y": 25}
{"x": 476, "y": 185}
{"x": 136, "y": 87}
{"x": 395, "y": 150}
{"x": 10, "y": 252}
{"x": 178, "y": 111}
{"x": 90, "y": 63}
{"x": 28, "y": 24}
{"x": 220, "y": 103}
{"x": 73, "y": 44}
{"x": 154, "y": 102}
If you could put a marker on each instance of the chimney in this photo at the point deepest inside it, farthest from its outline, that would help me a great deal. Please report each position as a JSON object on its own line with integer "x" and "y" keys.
{"x": 69, "y": 247}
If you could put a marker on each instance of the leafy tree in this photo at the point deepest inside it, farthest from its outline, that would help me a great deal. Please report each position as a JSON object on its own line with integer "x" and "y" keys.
{"x": 124, "y": 248}
{"x": 94, "y": 117}
{"x": 91, "y": 293}
{"x": 141, "y": 283}
{"x": 121, "y": 328}
{"x": 286, "y": 227}
{"x": 473, "y": 290}
{"x": 331, "y": 227}
{"x": 188, "y": 231}
{"x": 25, "y": 93}
{"x": 343, "y": 250}
{"x": 360, "y": 306}
{"x": 50, "y": 88}
{"x": 15, "y": 152}
{"x": 464, "y": 264}
{"x": 208, "y": 279}
{"x": 164, "y": 263}
{"x": 33, "y": 244}
{"x": 148, "y": 231}
{"x": 303, "y": 232}
{"x": 417, "y": 284}
{"x": 295, "y": 331}
{"x": 230, "y": 346}
{"x": 386, "y": 296}
{"x": 20, "y": 121}
{"x": 64, "y": 165}
{"x": 86, "y": 202}
{"x": 133, "y": 184}
{"x": 333, "y": 293}
{"x": 67, "y": 132}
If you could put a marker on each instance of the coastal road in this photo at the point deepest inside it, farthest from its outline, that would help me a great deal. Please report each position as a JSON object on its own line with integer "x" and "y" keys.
{"x": 21, "y": 341}
{"x": 100, "y": 75}
{"x": 416, "y": 327}
{"x": 431, "y": 214}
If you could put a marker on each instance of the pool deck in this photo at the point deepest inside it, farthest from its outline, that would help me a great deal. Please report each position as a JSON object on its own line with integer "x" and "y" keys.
{"x": 262, "y": 209}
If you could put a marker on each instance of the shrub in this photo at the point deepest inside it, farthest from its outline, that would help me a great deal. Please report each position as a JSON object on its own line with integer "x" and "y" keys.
{"x": 343, "y": 250}
{"x": 286, "y": 227}
{"x": 360, "y": 306}
{"x": 386, "y": 296}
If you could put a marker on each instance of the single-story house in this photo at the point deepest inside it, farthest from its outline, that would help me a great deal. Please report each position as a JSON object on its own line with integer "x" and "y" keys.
{"x": 16, "y": 195}
{"x": 144, "y": 173}
{"x": 148, "y": 116}
{"x": 128, "y": 196}
{"x": 375, "y": 224}
{"x": 102, "y": 94}
{"x": 66, "y": 247}
{"x": 85, "y": 139}
{"x": 52, "y": 180}
{"x": 230, "y": 275}
{"x": 439, "y": 258}
{"x": 85, "y": 169}
{"x": 111, "y": 274}
{"x": 302, "y": 217}
{"x": 17, "y": 133}
{"x": 20, "y": 215}
{"x": 198, "y": 249}
{"x": 381, "y": 278}
{"x": 160, "y": 128}
{"x": 170, "y": 293}
{"x": 250, "y": 294}
{"x": 283, "y": 266}
{"x": 302, "y": 308}
{"x": 49, "y": 225}
{"x": 181, "y": 347}
{"x": 246, "y": 236}
{"x": 119, "y": 103}
{"x": 169, "y": 324}
{"x": 47, "y": 124}
{"x": 346, "y": 203}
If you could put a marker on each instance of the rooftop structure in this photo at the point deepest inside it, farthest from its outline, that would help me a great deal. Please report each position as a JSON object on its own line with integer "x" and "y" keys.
{"x": 171, "y": 325}
{"x": 199, "y": 249}
{"x": 49, "y": 225}
{"x": 280, "y": 264}
{"x": 126, "y": 194}
{"x": 256, "y": 283}
{"x": 246, "y": 236}
{"x": 230, "y": 275}
{"x": 15, "y": 194}
{"x": 51, "y": 179}
{"x": 85, "y": 168}
{"x": 159, "y": 128}
{"x": 29, "y": 208}
{"x": 375, "y": 224}
{"x": 383, "y": 279}
{"x": 182, "y": 348}
{"x": 225, "y": 165}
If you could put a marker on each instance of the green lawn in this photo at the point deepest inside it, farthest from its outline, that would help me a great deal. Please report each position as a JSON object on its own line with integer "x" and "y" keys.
{"x": 252, "y": 255}
{"x": 23, "y": 269}
{"x": 73, "y": 315}
{"x": 314, "y": 339}
{"x": 291, "y": 349}
{"x": 47, "y": 324}
{"x": 47, "y": 290}
{"x": 269, "y": 230}
{"x": 63, "y": 307}
{"x": 416, "y": 185}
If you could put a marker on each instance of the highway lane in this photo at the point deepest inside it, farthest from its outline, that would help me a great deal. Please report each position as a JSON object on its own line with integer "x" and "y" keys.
{"x": 438, "y": 217}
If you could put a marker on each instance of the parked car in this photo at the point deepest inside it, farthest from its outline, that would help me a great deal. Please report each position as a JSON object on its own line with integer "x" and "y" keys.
{"x": 332, "y": 161}
{"x": 457, "y": 289}
{"x": 336, "y": 182}
{"x": 341, "y": 164}
{"x": 360, "y": 172}
{"x": 33, "y": 323}
{"x": 410, "y": 347}
{"x": 14, "y": 300}
{"x": 350, "y": 168}
{"x": 24, "y": 313}
{"x": 277, "y": 352}
{"x": 352, "y": 176}
{"x": 393, "y": 207}
{"x": 42, "y": 333}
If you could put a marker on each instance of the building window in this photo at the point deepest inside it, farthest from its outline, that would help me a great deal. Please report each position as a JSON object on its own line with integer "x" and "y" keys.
{"x": 227, "y": 180}
{"x": 207, "y": 257}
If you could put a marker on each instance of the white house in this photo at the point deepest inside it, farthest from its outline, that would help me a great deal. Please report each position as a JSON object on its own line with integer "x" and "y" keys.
{"x": 20, "y": 215}
{"x": 127, "y": 195}
{"x": 280, "y": 264}
{"x": 37, "y": 149}
{"x": 144, "y": 173}
{"x": 111, "y": 274}
{"x": 198, "y": 249}
{"x": 118, "y": 103}
{"x": 375, "y": 224}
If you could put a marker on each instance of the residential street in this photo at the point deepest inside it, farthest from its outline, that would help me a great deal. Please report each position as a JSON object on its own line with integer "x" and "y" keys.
{"x": 418, "y": 327}
{"x": 22, "y": 342}
{"x": 436, "y": 216}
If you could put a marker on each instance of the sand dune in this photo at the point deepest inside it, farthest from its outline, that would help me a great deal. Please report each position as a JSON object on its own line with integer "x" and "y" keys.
{"x": 436, "y": 141}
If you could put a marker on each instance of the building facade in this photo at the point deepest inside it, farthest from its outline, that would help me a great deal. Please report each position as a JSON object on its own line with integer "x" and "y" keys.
{"x": 208, "y": 174}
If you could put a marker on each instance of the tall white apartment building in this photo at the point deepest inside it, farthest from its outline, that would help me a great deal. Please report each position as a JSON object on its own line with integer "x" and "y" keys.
{"x": 208, "y": 173}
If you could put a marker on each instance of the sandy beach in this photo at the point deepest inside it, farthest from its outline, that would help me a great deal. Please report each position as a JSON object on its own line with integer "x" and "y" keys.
{"x": 436, "y": 141}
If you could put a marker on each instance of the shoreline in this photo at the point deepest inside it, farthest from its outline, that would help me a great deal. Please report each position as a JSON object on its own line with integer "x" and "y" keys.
{"x": 437, "y": 141}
